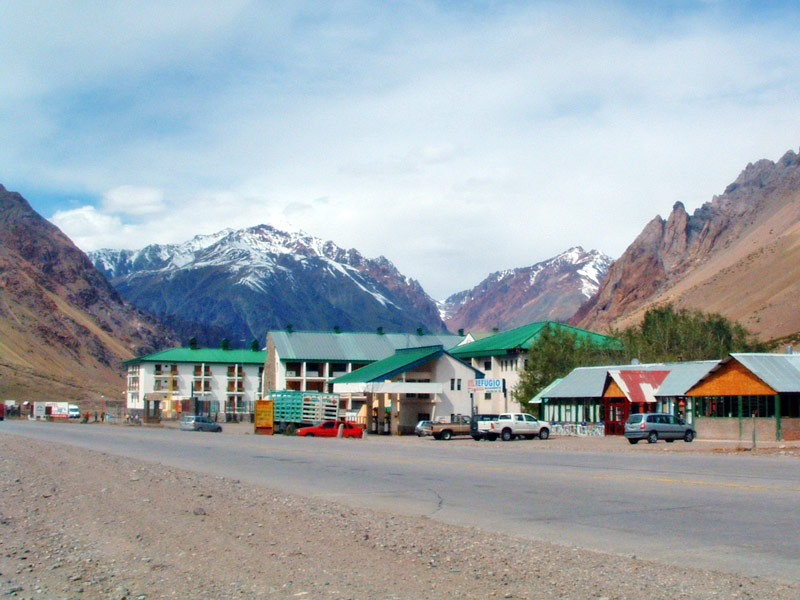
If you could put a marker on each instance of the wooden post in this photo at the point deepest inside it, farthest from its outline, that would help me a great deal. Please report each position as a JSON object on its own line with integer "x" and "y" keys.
{"x": 741, "y": 425}
{"x": 778, "y": 432}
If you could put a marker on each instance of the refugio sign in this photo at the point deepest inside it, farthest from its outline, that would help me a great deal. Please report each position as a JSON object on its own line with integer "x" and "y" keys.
{"x": 486, "y": 385}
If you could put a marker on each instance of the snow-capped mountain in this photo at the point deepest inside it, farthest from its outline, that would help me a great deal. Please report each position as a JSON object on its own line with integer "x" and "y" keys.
{"x": 550, "y": 290}
{"x": 240, "y": 283}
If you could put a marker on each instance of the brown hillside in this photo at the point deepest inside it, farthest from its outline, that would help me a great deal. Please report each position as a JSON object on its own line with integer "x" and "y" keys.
{"x": 738, "y": 255}
{"x": 64, "y": 331}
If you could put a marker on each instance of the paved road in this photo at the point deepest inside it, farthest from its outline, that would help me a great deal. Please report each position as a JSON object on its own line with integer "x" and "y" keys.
{"x": 730, "y": 513}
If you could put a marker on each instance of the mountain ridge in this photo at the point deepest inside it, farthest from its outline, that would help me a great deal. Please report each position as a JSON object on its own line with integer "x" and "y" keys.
{"x": 550, "y": 290}
{"x": 737, "y": 255}
{"x": 63, "y": 328}
{"x": 277, "y": 275}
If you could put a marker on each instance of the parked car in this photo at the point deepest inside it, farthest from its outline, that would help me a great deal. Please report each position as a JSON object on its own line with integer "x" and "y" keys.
{"x": 445, "y": 430}
{"x": 512, "y": 425}
{"x": 482, "y": 425}
{"x": 331, "y": 429}
{"x": 420, "y": 428}
{"x": 657, "y": 426}
{"x": 196, "y": 423}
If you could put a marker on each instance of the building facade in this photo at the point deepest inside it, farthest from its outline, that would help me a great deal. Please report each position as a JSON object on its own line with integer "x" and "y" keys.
{"x": 309, "y": 360}
{"x": 218, "y": 382}
{"x": 412, "y": 385}
{"x": 505, "y": 355}
{"x": 736, "y": 398}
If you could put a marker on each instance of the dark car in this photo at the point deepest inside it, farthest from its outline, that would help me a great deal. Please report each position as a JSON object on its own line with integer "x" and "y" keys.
{"x": 657, "y": 426}
{"x": 195, "y": 423}
{"x": 482, "y": 426}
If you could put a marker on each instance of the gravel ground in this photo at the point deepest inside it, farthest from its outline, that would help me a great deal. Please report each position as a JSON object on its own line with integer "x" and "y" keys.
{"x": 81, "y": 524}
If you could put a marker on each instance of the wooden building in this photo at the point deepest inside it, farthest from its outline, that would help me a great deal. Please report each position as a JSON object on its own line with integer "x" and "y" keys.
{"x": 746, "y": 391}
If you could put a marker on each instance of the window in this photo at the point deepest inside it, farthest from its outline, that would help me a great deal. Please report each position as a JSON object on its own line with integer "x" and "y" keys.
{"x": 487, "y": 365}
{"x": 452, "y": 384}
{"x": 487, "y": 396}
{"x": 458, "y": 384}
{"x": 728, "y": 406}
{"x": 292, "y": 369}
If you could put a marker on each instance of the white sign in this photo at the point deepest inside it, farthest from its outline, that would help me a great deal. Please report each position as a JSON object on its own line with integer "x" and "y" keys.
{"x": 486, "y": 385}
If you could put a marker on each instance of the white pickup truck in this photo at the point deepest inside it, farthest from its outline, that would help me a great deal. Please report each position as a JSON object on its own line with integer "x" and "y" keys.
{"x": 511, "y": 425}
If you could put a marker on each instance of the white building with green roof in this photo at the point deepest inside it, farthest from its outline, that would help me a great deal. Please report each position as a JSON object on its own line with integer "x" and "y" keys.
{"x": 412, "y": 385}
{"x": 308, "y": 360}
{"x": 505, "y": 354}
{"x": 214, "y": 381}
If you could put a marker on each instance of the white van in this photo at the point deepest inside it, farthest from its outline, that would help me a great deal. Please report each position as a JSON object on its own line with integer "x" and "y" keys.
{"x": 74, "y": 411}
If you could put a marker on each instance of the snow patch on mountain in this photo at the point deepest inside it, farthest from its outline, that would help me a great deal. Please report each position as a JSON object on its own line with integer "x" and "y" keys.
{"x": 550, "y": 290}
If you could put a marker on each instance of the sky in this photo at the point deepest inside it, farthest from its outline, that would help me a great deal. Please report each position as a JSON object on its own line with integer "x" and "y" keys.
{"x": 454, "y": 138}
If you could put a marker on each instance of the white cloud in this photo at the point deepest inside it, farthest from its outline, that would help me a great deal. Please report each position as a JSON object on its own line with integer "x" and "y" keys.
{"x": 454, "y": 140}
{"x": 132, "y": 200}
{"x": 92, "y": 230}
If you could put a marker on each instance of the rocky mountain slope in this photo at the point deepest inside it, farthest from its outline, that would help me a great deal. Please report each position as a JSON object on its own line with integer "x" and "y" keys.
{"x": 551, "y": 290}
{"x": 64, "y": 331}
{"x": 738, "y": 255}
{"x": 244, "y": 282}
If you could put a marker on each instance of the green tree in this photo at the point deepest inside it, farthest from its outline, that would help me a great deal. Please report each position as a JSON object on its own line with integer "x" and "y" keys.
{"x": 556, "y": 352}
{"x": 669, "y": 335}
{"x": 664, "y": 335}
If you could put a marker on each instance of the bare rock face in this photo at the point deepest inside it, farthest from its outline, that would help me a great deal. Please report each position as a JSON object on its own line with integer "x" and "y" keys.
{"x": 64, "y": 331}
{"x": 551, "y": 290}
{"x": 730, "y": 256}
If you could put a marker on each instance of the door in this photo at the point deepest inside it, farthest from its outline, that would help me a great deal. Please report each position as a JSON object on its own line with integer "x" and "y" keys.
{"x": 329, "y": 429}
{"x": 675, "y": 428}
{"x": 615, "y": 413}
{"x": 531, "y": 425}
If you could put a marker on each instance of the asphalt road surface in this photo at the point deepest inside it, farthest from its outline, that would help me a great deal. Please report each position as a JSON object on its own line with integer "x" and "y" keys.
{"x": 730, "y": 513}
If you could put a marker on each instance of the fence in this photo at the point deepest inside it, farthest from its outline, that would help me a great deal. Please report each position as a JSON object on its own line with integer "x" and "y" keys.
{"x": 578, "y": 429}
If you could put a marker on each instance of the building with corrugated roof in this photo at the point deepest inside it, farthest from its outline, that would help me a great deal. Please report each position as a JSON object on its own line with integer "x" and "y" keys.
{"x": 722, "y": 399}
{"x": 610, "y": 393}
{"x": 308, "y": 360}
{"x": 212, "y": 381}
{"x": 747, "y": 390}
{"x": 504, "y": 355}
{"x": 412, "y": 385}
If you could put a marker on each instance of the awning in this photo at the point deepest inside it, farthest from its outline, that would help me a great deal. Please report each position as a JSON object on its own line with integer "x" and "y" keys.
{"x": 388, "y": 387}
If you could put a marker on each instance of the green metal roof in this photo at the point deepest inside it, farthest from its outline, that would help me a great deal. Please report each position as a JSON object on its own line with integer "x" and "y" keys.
{"x": 351, "y": 347}
{"x": 401, "y": 361}
{"x": 522, "y": 337}
{"x": 203, "y": 355}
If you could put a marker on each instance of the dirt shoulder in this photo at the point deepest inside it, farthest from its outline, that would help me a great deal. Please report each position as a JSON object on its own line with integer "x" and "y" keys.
{"x": 81, "y": 524}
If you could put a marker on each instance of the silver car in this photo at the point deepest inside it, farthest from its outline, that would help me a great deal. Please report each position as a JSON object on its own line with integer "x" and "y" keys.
{"x": 193, "y": 423}
{"x": 657, "y": 426}
{"x": 420, "y": 428}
